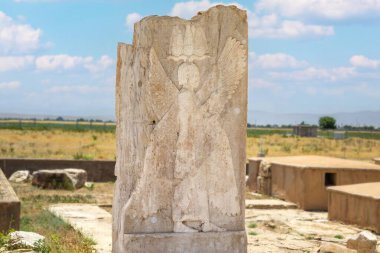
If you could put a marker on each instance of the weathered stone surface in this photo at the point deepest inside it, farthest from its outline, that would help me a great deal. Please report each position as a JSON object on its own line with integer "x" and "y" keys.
{"x": 328, "y": 247}
{"x": 377, "y": 161}
{"x": 9, "y": 206}
{"x": 363, "y": 242}
{"x": 20, "y": 176}
{"x": 264, "y": 178}
{"x": 253, "y": 172}
{"x": 268, "y": 204}
{"x": 60, "y": 179}
{"x": 24, "y": 240}
{"x": 181, "y": 116}
{"x": 211, "y": 242}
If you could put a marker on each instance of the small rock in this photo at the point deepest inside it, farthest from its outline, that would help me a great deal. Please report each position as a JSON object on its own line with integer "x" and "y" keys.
{"x": 78, "y": 177}
{"x": 24, "y": 240}
{"x": 20, "y": 176}
{"x": 363, "y": 242}
{"x": 89, "y": 185}
{"x": 60, "y": 179}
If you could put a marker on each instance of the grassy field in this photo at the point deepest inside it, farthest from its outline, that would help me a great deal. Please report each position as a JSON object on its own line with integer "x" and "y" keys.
{"x": 95, "y": 144}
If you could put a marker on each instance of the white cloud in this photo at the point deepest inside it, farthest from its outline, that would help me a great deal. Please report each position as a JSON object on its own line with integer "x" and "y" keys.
{"x": 15, "y": 37}
{"x": 271, "y": 26}
{"x": 276, "y": 61}
{"x": 9, "y": 85}
{"x": 313, "y": 73}
{"x": 191, "y": 8}
{"x": 61, "y": 61}
{"x": 364, "y": 62}
{"x": 326, "y": 9}
{"x": 100, "y": 65}
{"x": 131, "y": 19}
{"x": 66, "y": 62}
{"x": 8, "y": 63}
{"x": 74, "y": 89}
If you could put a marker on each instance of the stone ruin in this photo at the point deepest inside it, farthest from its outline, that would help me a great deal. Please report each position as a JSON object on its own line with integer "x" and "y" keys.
{"x": 181, "y": 92}
{"x": 9, "y": 206}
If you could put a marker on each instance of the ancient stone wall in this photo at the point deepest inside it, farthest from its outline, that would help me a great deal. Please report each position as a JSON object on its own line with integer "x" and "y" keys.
{"x": 359, "y": 210}
{"x": 97, "y": 170}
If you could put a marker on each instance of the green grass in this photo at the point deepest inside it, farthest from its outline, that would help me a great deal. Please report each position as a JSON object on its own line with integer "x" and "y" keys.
{"x": 257, "y": 132}
{"x": 375, "y": 135}
{"x": 252, "y": 225}
{"x": 252, "y": 233}
{"x": 57, "y": 126}
{"x": 340, "y": 237}
{"x": 81, "y": 156}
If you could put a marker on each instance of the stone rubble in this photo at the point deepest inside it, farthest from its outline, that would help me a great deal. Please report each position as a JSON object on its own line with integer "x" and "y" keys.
{"x": 69, "y": 179}
{"x": 20, "y": 176}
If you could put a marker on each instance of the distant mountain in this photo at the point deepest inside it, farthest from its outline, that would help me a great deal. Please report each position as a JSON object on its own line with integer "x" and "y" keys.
{"x": 369, "y": 118}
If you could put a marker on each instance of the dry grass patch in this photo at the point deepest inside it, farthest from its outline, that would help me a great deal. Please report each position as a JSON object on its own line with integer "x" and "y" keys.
{"x": 279, "y": 145}
{"x": 102, "y": 145}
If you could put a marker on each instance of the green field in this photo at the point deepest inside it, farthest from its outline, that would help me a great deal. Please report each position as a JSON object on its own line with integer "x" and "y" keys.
{"x": 57, "y": 125}
{"x": 257, "y": 132}
{"x": 110, "y": 127}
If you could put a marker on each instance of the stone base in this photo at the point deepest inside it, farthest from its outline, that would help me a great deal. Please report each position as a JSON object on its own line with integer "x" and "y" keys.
{"x": 213, "y": 242}
{"x": 9, "y": 206}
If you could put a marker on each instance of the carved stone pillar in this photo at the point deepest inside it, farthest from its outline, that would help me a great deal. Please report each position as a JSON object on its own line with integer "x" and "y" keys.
{"x": 181, "y": 91}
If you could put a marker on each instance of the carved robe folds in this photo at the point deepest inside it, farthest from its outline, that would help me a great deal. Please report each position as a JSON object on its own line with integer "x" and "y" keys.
{"x": 181, "y": 104}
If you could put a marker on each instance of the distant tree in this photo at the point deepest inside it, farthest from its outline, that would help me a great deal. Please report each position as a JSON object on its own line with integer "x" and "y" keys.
{"x": 303, "y": 123}
{"x": 327, "y": 122}
{"x": 59, "y": 119}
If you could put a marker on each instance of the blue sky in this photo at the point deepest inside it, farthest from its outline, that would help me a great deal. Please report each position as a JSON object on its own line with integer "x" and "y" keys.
{"x": 58, "y": 57}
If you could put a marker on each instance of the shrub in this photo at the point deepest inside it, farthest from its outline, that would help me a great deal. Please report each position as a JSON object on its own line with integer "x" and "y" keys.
{"x": 327, "y": 122}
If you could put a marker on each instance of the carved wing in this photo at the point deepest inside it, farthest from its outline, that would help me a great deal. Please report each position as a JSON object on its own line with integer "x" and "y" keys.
{"x": 231, "y": 66}
{"x": 162, "y": 91}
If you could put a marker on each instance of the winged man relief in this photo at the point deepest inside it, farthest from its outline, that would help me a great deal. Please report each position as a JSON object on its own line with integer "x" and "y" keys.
{"x": 188, "y": 170}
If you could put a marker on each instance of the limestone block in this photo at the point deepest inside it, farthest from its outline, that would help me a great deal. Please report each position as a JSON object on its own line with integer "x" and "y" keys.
{"x": 24, "y": 240}
{"x": 181, "y": 105}
{"x": 60, "y": 179}
{"x": 328, "y": 247}
{"x": 253, "y": 171}
{"x": 264, "y": 179}
{"x": 363, "y": 242}
{"x": 20, "y": 176}
{"x": 9, "y": 206}
{"x": 211, "y": 242}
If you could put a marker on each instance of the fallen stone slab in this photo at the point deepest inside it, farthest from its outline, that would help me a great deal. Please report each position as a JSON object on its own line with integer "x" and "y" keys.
{"x": 20, "y": 176}
{"x": 9, "y": 206}
{"x": 68, "y": 179}
{"x": 91, "y": 220}
{"x": 328, "y": 247}
{"x": 268, "y": 204}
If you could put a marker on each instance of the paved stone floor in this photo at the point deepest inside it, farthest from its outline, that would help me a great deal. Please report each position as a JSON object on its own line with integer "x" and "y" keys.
{"x": 268, "y": 230}
{"x": 93, "y": 222}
